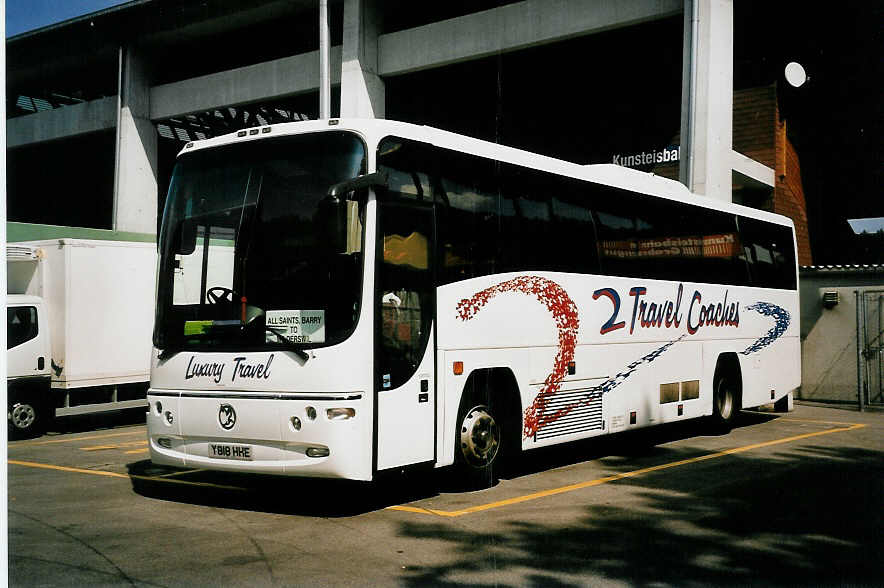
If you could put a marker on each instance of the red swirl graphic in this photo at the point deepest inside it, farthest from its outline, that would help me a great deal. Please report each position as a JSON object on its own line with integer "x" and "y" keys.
{"x": 564, "y": 311}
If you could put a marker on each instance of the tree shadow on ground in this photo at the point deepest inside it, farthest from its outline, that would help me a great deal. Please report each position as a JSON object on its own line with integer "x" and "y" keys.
{"x": 768, "y": 521}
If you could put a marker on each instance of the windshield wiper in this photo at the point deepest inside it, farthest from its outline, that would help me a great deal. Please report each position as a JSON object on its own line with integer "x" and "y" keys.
{"x": 289, "y": 345}
{"x": 167, "y": 353}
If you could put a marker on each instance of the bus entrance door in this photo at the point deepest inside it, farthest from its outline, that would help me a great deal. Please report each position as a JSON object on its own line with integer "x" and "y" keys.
{"x": 405, "y": 367}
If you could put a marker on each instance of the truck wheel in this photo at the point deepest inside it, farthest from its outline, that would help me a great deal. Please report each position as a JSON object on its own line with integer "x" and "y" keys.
{"x": 24, "y": 420}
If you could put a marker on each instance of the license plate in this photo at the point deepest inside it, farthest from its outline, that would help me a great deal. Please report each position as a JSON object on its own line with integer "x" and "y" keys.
{"x": 228, "y": 451}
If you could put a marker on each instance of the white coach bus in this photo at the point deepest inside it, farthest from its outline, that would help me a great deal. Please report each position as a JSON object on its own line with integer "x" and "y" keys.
{"x": 338, "y": 298}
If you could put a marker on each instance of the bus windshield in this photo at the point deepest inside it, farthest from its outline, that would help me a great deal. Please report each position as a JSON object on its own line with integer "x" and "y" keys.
{"x": 253, "y": 254}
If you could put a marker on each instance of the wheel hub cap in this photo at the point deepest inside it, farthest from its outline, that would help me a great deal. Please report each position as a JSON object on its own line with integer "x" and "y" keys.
{"x": 23, "y": 416}
{"x": 479, "y": 437}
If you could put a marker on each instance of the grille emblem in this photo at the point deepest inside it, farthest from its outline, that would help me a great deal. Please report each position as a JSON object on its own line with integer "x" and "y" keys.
{"x": 226, "y": 417}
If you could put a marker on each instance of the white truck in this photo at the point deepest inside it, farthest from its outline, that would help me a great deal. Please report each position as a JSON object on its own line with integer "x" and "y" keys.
{"x": 79, "y": 319}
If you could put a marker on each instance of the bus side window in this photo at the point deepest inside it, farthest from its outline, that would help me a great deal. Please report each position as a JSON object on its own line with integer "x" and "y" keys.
{"x": 545, "y": 222}
{"x": 468, "y": 222}
{"x": 770, "y": 253}
{"x": 575, "y": 234}
{"x": 641, "y": 236}
{"x": 526, "y": 221}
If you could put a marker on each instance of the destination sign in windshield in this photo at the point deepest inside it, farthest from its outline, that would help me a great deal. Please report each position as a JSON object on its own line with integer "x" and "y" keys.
{"x": 298, "y": 326}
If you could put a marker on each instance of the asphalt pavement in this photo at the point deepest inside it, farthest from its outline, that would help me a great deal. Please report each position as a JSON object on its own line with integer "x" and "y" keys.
{"x": 783, "y": 499}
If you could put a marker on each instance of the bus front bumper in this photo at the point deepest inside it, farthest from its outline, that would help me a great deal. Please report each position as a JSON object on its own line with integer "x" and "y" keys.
{"x": 316, "y": 436}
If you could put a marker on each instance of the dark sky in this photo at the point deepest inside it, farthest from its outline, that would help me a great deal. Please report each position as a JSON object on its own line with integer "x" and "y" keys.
{"x": 835, "y": 119}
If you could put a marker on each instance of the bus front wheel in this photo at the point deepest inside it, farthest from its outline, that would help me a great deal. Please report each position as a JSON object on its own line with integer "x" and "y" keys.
{"x": 479, "y": 437}
{"x": 478, "y": 444}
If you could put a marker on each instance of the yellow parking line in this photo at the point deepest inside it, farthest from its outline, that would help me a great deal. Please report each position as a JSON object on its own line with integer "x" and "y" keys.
{"x": 133, "y": 451}
{"x": 181, "y": 473}
{"x": 615, "y": 477}
{"x": 116, "y": 446}
{"x": 49, "y": 466}
{"x": 839, "y": 423}
{"x": 76, "y": 439}
{"x": 431, "y": 511}
{"x": 186, "y": 482}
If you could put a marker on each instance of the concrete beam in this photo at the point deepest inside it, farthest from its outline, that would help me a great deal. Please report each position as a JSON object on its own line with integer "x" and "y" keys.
{"x": 61, "y": 123}
{"x": 265, "y": 81}
{"x": 751, "y": 172}
{"x": 510, "y": 28}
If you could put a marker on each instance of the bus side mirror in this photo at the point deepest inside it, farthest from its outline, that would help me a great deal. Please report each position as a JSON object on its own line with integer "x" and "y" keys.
{"x": 186, "y": 237}
{"x": 333, "y": 209}
{"x": 333, "y": 219}
{"x": 344, "y": 189}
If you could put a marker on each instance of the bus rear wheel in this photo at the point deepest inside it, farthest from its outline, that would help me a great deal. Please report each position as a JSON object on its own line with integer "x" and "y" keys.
{"x": 725, "y": 402}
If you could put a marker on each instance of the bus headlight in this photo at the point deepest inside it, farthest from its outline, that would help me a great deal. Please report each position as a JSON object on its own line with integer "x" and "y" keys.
{"x": 340, "y": 414}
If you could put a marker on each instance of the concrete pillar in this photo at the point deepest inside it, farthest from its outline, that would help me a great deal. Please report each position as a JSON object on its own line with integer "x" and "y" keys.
{"x": 707, "y": 98}
{"x": 135, "y": 177}
{"x": 324, "y": 64}
{"x": 362, "y": 89}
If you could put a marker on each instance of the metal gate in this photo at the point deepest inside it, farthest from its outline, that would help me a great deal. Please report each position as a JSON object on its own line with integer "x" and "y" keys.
{"x": 870, "y": 353}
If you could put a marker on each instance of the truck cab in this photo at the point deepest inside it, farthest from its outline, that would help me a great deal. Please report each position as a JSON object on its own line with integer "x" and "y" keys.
{"x": 29, "y": 404}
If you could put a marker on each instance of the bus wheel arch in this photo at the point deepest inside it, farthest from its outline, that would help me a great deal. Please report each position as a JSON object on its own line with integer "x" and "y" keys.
{"x": 727, "y": 391}
{"x": 488, "y": 425}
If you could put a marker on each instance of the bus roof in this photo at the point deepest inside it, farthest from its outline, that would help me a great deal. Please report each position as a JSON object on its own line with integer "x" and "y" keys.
{"x": 374, "y": 130}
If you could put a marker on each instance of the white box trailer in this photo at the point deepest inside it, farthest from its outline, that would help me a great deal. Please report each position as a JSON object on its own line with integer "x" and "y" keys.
{"x": 99, "y": 297}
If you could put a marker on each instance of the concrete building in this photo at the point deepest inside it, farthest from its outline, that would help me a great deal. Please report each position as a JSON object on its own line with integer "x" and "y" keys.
{"x": 98, "y": 106}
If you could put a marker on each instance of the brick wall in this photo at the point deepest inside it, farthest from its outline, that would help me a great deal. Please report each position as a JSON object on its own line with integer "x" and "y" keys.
{"x": 755, "y": 115}
{"x": 789, "y": 193}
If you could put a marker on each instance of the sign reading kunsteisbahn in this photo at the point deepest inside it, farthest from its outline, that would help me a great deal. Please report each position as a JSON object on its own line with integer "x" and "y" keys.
{"x": 666, "y": 155}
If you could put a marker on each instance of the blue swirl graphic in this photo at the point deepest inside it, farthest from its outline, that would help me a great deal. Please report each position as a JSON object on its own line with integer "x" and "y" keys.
{"x": 611, "y": 383}
{"x": 782, "y": 318}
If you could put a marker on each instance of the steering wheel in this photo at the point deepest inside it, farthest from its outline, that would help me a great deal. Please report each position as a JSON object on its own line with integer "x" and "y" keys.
{"x": 216, "y": 294}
